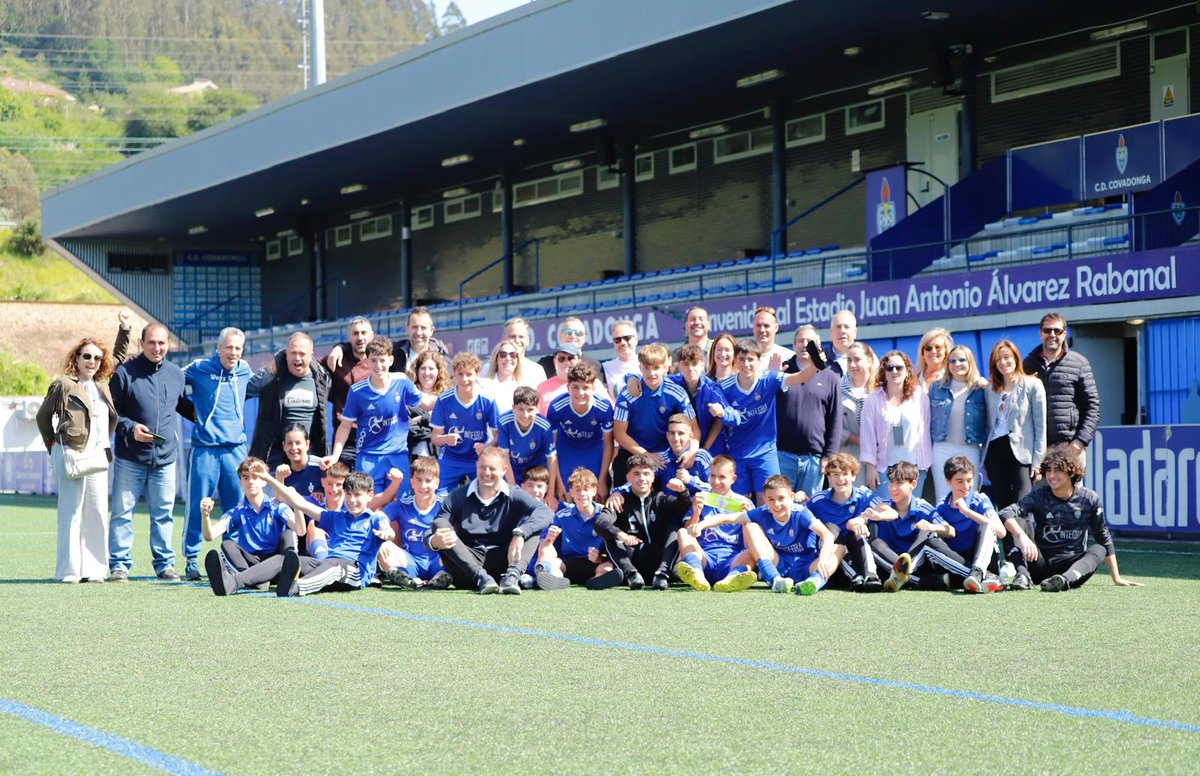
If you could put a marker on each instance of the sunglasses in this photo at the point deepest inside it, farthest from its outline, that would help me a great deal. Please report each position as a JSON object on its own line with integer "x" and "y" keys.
{"x": 894, "y": 367}
{"x": 626, "y": 338}
{"x": 506, "y": 354}
{"x": 90, "y": 357}
{"x": 957, "y": 360}
{"x": 565, "y": 358}
{"x": 934, "y": 347}
{"x": 574, "y": 332}
{"x": 1056, "y": 330}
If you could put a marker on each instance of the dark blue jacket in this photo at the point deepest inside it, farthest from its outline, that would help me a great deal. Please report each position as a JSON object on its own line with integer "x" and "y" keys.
{"x": 151, "y": 394}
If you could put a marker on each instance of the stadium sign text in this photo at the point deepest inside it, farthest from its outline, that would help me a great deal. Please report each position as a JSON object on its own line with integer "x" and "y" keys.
{"x": 1148, "y": 477}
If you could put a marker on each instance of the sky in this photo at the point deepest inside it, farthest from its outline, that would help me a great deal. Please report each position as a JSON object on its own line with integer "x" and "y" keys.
{"x": 478, "y": 10}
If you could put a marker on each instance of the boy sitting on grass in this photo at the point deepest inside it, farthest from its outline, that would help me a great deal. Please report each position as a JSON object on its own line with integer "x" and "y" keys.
{"x": 355, "y": 535}
{"x": 413, "y": 565}
{"x": 975, "y": 522}
{"x": 846, "y": 510}
{"x": 262, "y": 530}
{"x": 640, "y": 534}
{"x": 571, "y": 551}
{"x": 526, "y": 437}
{"x": 785, "y": 540}
{"x": 914, "y": 537}
{"x": 716, "y": 558}
{"x": 1050, "y": 528}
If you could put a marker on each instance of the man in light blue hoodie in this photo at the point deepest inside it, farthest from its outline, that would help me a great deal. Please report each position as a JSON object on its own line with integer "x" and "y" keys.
{"x": 218, "y": 386}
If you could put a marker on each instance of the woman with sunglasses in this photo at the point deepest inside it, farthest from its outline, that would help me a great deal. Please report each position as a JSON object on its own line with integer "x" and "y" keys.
{"x": 895, "y": 423}
{"x": 428, "y": 372}
{"x": 1016, "y": 411}
{"x": 76, "y": 420}
{"x": 957, "y": 414}
{"x": 934, "y": 346}
{"x": 504, "y": 375}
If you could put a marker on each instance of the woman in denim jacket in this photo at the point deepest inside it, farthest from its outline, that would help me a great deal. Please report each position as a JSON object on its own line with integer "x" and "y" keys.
{"x": 957, "y": 414}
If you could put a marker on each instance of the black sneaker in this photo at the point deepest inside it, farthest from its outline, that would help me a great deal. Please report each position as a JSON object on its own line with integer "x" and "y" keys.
{"x": 610, "y": 578}
{"x": 440, "y": 581}
{"x": 219, "y": 579}
{"x": 974, "y": 582}
{"x": 285, "y": 583}
{"x": 485, "y": 584}
{"x": 399, "y": 578}
{"x": 168, "y": 575}
{"x": 661, "y": 581}
{"x": 118, "y": 575}
{"x": 871, "y": 584}
{"x": 1055, "y": 584}
{"x": 510, "y": 583}
{"x": 548, "y": 581}
{"x": 1021, "y": 582}
{"x": 191, "y": 572}
{"x": 634, "y": 580}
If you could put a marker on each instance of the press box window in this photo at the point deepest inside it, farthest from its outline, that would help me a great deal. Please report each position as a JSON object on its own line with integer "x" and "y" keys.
{"x": 864, "y": 117}
{"x": 132, "y": 262}
{"x": 461, "y": 209}
{"x": 422, "y": 217}
{"x": 810, "y": 129}
{"x": 643, "y": 168}
{"x": 682, "y": 158}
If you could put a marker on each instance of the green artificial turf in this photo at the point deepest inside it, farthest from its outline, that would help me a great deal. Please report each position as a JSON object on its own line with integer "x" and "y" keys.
{"x": 582, "y": 682}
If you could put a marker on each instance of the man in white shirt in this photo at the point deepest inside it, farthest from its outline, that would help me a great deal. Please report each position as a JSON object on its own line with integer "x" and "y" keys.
{"x": 625, "y": 341}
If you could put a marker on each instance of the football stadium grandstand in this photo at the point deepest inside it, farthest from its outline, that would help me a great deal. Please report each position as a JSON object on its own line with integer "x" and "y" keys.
{"x": 971, "y": 166}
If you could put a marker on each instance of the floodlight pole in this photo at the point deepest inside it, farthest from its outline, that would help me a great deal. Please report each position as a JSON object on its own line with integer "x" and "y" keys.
{"x": 316, "y": 29}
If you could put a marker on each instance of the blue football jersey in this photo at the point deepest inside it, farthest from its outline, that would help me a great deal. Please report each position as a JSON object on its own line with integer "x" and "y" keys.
{"x": 899, "y": 534}
{"x": 647, "y": 415}
{"x": 828, "y": 511}
{"x": 471, "y": 421}
{"x": 966, "y": 530}
{"x": 382, "y": 416}
{"x": 753, "y": 434}
{"x": 579, "y": 439}
{"x": 578, "y": 533}
{"x": 792, "y": 537}
{"x": 413, "y": 522}
{"x": 526, "y": 449}
{"x": 353, "y": 538}
{"x": 258, "y": 532}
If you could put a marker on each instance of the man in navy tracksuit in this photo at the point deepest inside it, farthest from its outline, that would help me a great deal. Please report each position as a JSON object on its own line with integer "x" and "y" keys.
{"x": 148, "y": 393}
{"x": 218, "y": 386}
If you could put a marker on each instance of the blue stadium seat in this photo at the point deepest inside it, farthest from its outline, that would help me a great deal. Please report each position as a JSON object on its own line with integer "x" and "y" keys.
{"x": 711, "y": 265}
{"x": 743, "y": 262}
{"x": 783, "y": 280}
{"x": 1111, "y": 241}
{"x": 828, "y": 248}
{"x": 726, "y": 263}
{"x": 812, "y": 251}
{"x": 856, "y": 272}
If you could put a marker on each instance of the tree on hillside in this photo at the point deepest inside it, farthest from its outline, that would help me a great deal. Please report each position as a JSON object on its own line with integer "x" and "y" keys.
{"x": 18, "y": 187}
{"x": 217, "y": 105}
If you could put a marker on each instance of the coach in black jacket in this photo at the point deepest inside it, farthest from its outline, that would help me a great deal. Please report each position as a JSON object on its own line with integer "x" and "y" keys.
{"x": 294, "y": 387}
{"x": 1072, "y": 401}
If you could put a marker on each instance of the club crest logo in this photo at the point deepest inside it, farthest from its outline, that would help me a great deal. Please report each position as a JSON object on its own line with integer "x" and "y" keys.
{"x": 532, "y": 444}
{"x": 1122, "y": 154}
{"x": 1178, "y": 209}
{"x": 885, "y": 211}
{"x": 478, "y": 416}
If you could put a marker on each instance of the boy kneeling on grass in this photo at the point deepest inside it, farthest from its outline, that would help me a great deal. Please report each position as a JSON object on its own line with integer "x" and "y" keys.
{"x": 355, "y": 535}
{"x": 571, "y": 551}
{"x": 411, "y": 564}
{"x": 1050, "y": 528}
{"x": 716, "y": 558}
{"x": 785, "y": 540}
{"x": 262, "y": 530}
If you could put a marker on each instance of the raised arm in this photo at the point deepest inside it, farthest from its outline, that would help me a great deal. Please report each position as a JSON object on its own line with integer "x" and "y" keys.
{"x": 290, "y": 497}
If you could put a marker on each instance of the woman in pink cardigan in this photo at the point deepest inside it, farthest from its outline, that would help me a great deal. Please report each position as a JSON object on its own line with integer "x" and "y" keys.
{"x": 895, "y": 424}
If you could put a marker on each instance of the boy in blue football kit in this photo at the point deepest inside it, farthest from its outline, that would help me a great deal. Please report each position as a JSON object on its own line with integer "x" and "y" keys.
{"x": 640, "y": 423}
{"x": 749, "y": 416}
{"x": 261, "y": 530}
{"x": 785, "y": 540}
{"x": 583, "y": 425}
{"x": 463, "y": 422}
{"x": 716, "y": 558}
{"x": 704, "y": 392}
{"x": 526, "y": 437}
{"x": 975, "y": 522}
{"x": 378, "y": 406}
{"x": 409, "y": 563}
{"x": 846, "y": 510}
{"x": 355, "y": 536}
{"x": 914, "y": 538}
{"x": 571, "y": 551}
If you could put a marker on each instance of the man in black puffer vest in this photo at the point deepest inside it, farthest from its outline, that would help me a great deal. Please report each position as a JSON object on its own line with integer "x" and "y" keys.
{"x": 1072, "y": 401}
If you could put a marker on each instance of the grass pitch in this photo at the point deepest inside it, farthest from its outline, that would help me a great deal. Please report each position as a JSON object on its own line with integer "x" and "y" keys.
{"x": 1098, "y": 679}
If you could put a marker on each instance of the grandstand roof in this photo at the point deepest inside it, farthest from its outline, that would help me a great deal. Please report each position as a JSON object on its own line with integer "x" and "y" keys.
{"x": 647, "y": 68}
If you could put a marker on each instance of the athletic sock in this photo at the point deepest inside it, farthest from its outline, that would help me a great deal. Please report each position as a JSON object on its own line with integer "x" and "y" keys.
{"x": 767, "y": 571}
{"x": 817, "y": 580}
{"x": 318, "y": 548}
{"x": 693, "y": 560}
{"x": 738, "y": 570}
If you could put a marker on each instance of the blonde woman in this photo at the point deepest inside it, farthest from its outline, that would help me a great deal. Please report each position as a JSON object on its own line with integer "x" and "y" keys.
{"x": 931, "y": 356}
{"x": 505, "y": 375}
{"x": 76, "y": 421}
{"x": 957, "y": 415}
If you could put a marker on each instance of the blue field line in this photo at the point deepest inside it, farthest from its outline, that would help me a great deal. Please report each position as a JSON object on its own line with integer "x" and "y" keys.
{"x": 1126, "y": 717}
{"x": 113, "y": 743}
